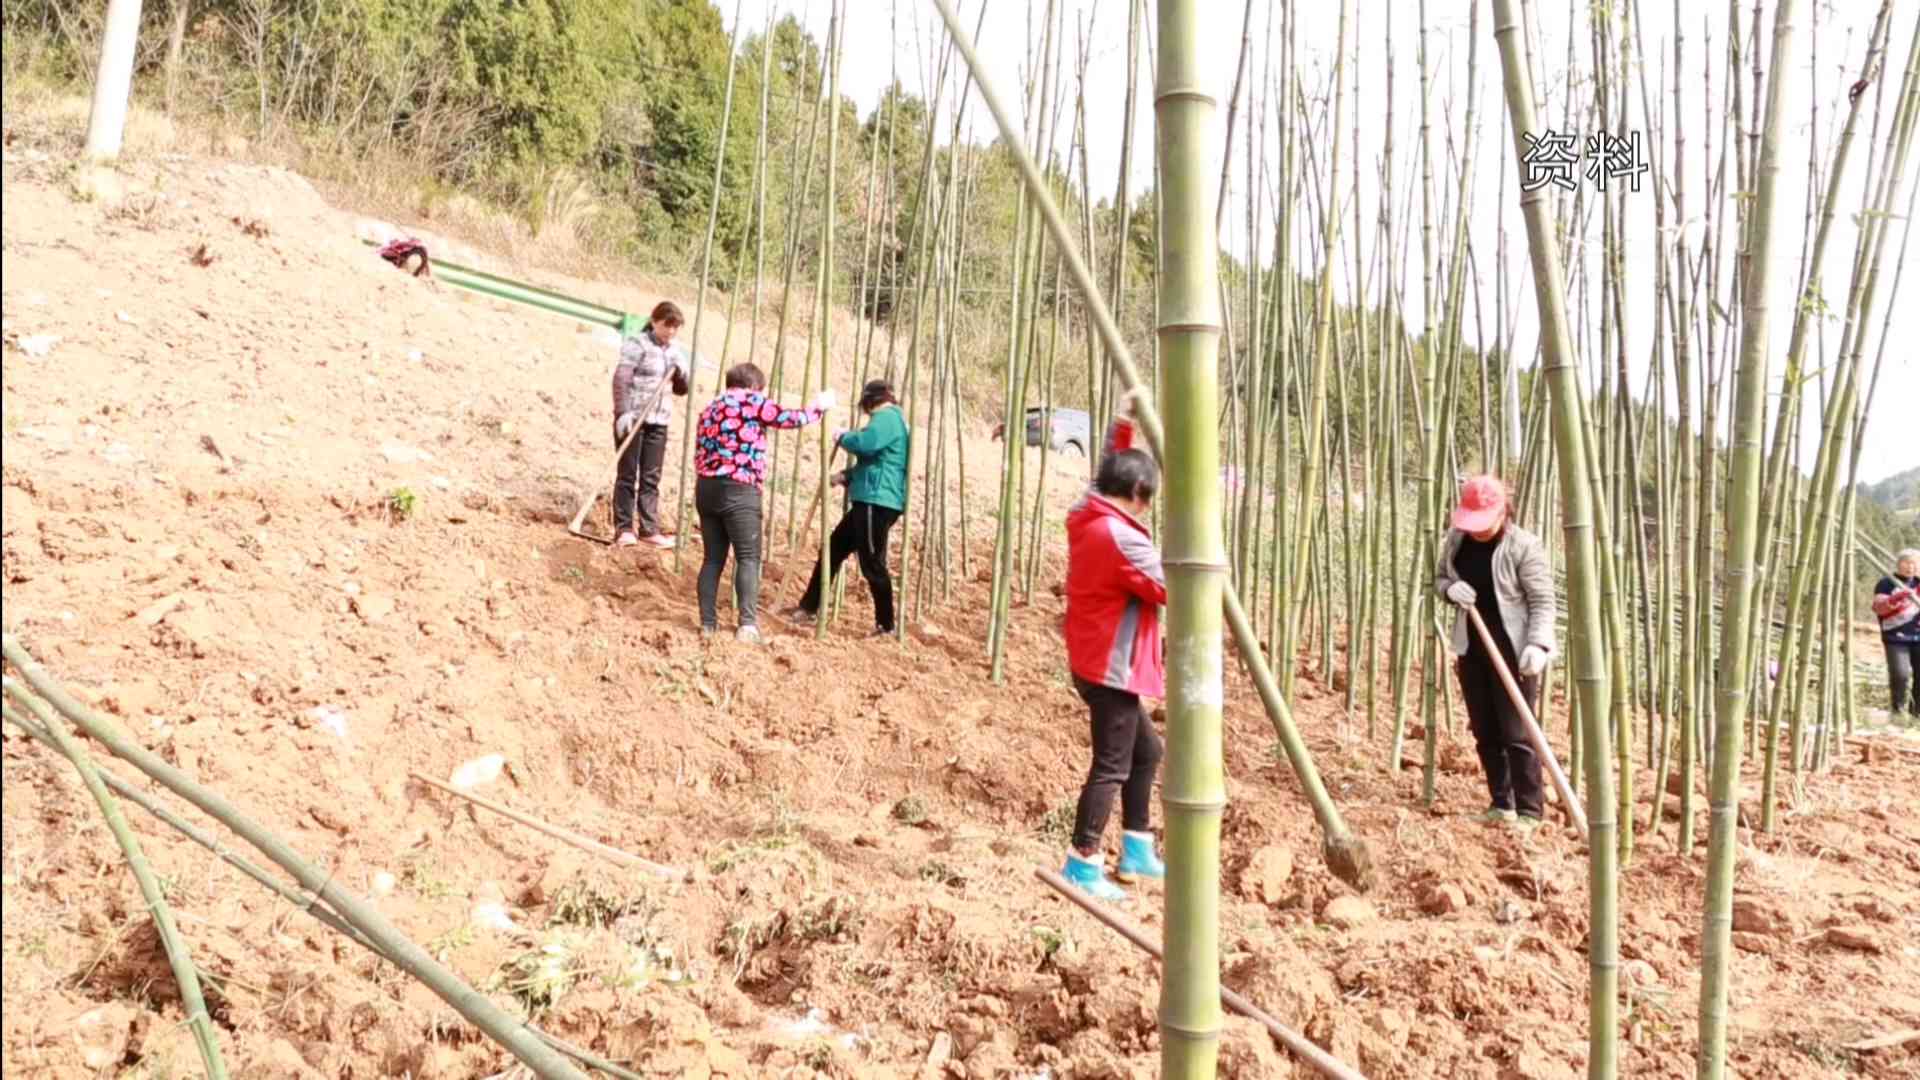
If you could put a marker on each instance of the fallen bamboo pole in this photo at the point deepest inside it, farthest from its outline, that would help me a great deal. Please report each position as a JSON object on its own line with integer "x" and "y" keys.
{"x": 1881, "y": 744}
{"x": 481, "y": 1011}
{"x": 1898, "y": 1038}
{"x": 1534, "y": 735}
{"x": 179, "y": 958}
{"x": 1298, "y": 1044}
{"x": 310, "y": 904}
{"x": 624, "y": 858}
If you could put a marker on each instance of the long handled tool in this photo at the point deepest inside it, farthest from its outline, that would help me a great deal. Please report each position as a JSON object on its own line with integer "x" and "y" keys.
{"x": 576, "y": 526}
{"x": 1534, "y": 735}
{"x": 1303, "y": 1048}
{"x": 813, "y": 507}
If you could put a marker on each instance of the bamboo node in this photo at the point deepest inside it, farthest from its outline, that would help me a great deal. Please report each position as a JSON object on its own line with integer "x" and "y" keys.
{"x": 1190, "y": 1034}
{"x": 1198, "y": 806}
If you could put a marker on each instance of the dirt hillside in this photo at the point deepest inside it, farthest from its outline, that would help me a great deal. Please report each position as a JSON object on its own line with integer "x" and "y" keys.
{"x": 212, "y": 390}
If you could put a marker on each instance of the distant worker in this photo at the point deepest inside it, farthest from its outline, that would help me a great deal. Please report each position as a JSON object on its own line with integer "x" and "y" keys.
{"x": 648, "y": 358}
{"x": 1896, "y": 603}
{"x": 731, "y": 460}
{"x": 1115, "y": 589}
{"x": 876, "y": 484}
{"x": 1500, "y": 569}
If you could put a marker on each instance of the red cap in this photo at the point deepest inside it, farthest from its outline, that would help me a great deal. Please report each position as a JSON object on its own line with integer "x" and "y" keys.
{"x": 1483, "y": 503}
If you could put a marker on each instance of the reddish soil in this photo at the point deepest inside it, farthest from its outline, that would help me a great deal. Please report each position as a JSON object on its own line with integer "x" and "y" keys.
{"x": 197, "y": 540}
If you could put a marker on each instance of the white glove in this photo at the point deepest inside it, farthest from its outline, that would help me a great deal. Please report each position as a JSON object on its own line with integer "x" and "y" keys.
{"x": 624, "y": 424}
{"x": 826, "y": 400}
{"x": 1462, "y": 593}
{"x": 1533, "y": 661}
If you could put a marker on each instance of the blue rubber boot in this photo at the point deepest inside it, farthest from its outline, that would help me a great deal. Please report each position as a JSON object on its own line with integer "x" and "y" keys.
{"x": 1091, "y": 878}
{"x": 1137, "y": 859}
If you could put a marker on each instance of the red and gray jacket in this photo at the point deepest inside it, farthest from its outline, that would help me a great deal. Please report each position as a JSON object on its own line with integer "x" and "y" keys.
{"x": 1896, "y": 603}
{"x": 1115, "y": 588}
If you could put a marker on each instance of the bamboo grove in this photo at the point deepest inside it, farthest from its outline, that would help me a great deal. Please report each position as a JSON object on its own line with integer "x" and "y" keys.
{"x": 1694, "y": 540}
{"x": 1328, "y": 364}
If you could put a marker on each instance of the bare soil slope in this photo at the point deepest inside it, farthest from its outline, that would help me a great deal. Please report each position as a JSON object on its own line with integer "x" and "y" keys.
{"x": 197, "y": 539}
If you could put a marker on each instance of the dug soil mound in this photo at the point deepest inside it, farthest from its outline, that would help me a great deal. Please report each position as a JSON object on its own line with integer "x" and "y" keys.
{"x": 299, "y": 521}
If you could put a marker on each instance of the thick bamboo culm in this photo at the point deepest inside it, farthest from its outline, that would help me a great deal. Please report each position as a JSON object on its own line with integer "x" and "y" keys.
{"x": 1193, "y": 787}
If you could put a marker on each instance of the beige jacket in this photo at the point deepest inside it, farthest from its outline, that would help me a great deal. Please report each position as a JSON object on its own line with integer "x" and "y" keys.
{"x": 1522, "y": 582}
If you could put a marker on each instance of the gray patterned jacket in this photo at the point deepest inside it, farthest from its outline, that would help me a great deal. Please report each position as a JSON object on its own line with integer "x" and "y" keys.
{"x": 1522, "y": 582}
{"x": 644, "y": 363}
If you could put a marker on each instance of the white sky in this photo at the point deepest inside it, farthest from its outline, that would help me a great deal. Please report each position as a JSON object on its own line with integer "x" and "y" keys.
{"x": 1844, "y": 26}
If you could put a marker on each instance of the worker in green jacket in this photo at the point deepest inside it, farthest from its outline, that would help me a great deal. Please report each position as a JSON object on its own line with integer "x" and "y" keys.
{"x": 876, "y": 485}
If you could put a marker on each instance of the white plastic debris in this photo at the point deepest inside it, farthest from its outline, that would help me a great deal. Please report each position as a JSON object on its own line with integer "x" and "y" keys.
{"x": 383, "y": 883}
{"x": 490, "y": 915}
{"x": 811, "y": 1025}
{"x": 37, "y": 345}
{"x": 400, "y": 453}
{"x": 331, "y": 720}
{"x": 479, "y": 771}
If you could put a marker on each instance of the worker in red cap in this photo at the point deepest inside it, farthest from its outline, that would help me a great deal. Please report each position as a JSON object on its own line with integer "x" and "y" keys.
{"x": 1501, "y": 570}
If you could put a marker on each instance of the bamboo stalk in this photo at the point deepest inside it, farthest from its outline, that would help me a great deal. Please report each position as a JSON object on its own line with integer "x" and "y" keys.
{"x": 836, "y": 41}
{"x": 1194, "y": 781}
{"x": 700, "y": 298}
{"x": 1590, "y": 672}
{"x": 1743, "y": 510}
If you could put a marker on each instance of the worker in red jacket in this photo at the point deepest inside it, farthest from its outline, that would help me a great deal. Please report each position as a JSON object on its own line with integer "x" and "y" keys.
{"x": 1115, "y": 588}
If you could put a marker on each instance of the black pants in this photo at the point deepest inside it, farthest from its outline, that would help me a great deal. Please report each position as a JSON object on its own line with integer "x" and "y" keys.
{"x": 1126, "y": 757}
{"x": 1902, "y": 659}
{"x": 1500, "y": 734}
{"x": 863, "y": 532}
{"x": 637, "y": 480}
{"x": 729, "y": 519}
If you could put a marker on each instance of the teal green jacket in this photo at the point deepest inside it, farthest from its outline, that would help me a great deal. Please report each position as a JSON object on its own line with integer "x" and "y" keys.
{"x": 879, "y": 473}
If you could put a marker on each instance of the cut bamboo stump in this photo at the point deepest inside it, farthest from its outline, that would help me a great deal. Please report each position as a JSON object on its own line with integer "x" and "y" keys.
{"x": 624, "y": 858}
{"x": 1301, "y": 1047}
